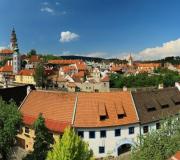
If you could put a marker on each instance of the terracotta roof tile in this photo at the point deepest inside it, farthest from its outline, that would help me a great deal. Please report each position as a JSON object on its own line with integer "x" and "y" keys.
{"x": 148, "y": 64}
{"x": 176, "y": 156}
{"x": 6, "y": 51}
{"x": 87, "y": 113}
{"x": 64, "y": 62}
{"x": 55, "y": 106}
{"x": 34, "y": 58}
{"x": 105, "y": 79}
{"x": 7, "y": 67}
{"x": 53, "y": 125}
{"x": 80, "y": 74}
{"x": 26, "y": 72}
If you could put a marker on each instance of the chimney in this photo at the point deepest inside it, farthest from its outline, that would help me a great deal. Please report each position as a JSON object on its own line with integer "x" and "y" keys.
{"x": 8, "y": 62}
{"x": 125, "y": 88}
{"x": 177, "y": 85}
{"x": 161, "y": 86}
{"x": 28, "y": 90}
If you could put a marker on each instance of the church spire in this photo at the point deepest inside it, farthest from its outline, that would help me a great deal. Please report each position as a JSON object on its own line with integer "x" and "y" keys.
{"x": 13, "y": 40}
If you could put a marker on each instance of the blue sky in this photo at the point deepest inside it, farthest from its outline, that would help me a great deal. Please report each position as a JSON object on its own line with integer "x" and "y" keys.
{"x": 109, "y": 28}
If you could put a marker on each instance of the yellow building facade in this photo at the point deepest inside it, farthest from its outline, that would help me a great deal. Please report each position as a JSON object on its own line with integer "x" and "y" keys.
{"x": 25, "y": 77}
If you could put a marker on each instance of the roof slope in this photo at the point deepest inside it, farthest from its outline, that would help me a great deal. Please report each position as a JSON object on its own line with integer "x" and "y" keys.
{"x": 55, "y": 106}
{"x": 91, "y": 105}
{"x": 153, "y": 105}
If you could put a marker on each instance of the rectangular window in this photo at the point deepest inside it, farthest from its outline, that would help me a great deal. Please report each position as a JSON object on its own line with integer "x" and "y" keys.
{"x": 158, "y": 125}
{"x": 120, "y": 116}
{"x": 26, "y": 130}
{"x": 81, "y": 134}
{"x": 131, "y": 130}
{"x": 103, "y": 117}
{"x": 103, "y": 133}
{"x": 117, "y": 132}
{"x": 101, "y": 149}
{"x": 145, "y": 129}
{"x": 91, "y": 134}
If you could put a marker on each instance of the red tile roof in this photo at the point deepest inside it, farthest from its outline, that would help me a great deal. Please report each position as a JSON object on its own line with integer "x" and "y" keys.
{"x": 176, "y": 156}
{"x": 112, "y": 103}
{"x": 34, "y": 58}
{"x": 67, "y": 69}
{"x": 6, "y": 51}
{"x": 105, "y": 79}
{"x": 58, "y": 107}
{"x": 80, "y": 74}
{"x": 154, "y": 65}
{"x": 55, "y": 106}
{"x": 52, "y": 125}
{"x": 7, "y": 67}
{"x": 81, "y": 66}
{"x": 26, "y": 72}
{"x": 64, "y": 62}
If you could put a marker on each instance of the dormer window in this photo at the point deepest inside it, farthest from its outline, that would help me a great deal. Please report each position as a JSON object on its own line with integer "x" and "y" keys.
{"x": 163, "y": 102}
{"x": 176, "y": 99}
{"x": 103, "y": 117}
{"x": 121, "y": 116}
{"x": 150, "y": 106}
{"x": 102, "y": 112}
{"x": 120, "y": 111}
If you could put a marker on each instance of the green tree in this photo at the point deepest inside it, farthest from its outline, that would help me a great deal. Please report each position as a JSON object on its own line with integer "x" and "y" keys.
{"x": 40, "y": 75}
{"x": 32, "y": 52}
{"x": 70, "y": 147}
{"x": 10, "y": 121}
{"x": 43, "y": 140}
{"x": 159, "y": 144}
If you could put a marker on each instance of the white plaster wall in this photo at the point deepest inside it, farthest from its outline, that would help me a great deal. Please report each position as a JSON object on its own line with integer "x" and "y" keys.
{"x": 111, "y": 143}
{"x": 151, "y": 126}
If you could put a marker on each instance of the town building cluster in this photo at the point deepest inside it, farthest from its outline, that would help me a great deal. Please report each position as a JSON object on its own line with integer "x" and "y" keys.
{"x": 67, "y": 75}
{"x": 80, "y": 97}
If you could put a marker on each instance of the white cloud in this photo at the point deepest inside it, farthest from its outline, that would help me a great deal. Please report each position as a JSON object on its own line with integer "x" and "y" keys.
{"x": 2, "y": 47}
{"x": 68, "y": 36}
{"x": 171, "y": 48}
{"x": 47, "y": 9}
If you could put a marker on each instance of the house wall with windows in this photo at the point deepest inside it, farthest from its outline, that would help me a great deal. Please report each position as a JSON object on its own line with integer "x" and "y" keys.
{"x": 25, "y": 138}
{"x": 107, "y": 140}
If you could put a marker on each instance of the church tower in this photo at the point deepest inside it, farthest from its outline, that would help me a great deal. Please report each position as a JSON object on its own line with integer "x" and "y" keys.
{"x": 13, "y": 40}
{"x": 16, "y": 61}
{"x": 16, "y": 54}
{"x": 130, "y": 60}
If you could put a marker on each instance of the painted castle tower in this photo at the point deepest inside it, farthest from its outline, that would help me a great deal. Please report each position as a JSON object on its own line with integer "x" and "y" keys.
{"x": 16, "y": 54}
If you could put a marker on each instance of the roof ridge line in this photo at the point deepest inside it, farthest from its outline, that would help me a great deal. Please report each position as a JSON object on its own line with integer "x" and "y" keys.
{"x": 134, "y": 106}
{"x": 24, "y": 99}
{"x": 74, "y": 111}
